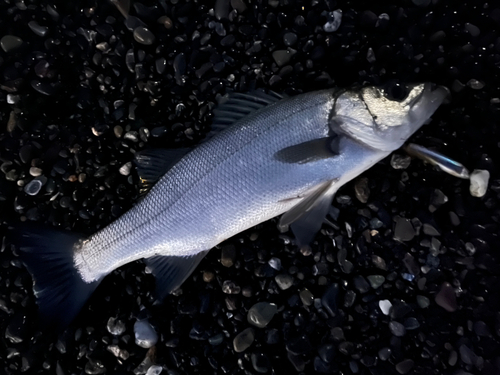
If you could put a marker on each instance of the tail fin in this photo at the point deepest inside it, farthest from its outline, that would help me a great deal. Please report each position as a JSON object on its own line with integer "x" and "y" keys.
{"x": 58, "y": 287}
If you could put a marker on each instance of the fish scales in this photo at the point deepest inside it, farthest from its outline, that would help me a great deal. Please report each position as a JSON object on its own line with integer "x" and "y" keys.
{"x": 226, "y": 185}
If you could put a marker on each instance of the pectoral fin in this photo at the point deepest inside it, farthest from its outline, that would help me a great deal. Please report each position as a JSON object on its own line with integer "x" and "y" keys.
{"x": 309, "y": 151}
{"x": 306, "y": 217}
{"x": 171, "y": 271}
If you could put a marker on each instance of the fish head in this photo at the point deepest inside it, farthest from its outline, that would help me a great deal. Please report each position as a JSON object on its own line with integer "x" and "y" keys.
{"x": 379, "y": 119}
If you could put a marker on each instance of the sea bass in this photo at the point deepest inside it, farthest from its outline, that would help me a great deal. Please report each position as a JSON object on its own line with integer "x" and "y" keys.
{"x": 276, "y": 155}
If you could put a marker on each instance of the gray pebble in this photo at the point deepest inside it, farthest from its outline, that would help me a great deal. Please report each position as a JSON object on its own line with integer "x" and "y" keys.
{"x": 37, "y": 29}
{"x": 446, "y": 297}
{"x": 10, "y": 42}
{"x": 404, "y": 366}
{"x": 261, "y": 314}
{"x": 243, "y": 340}
{"x": 33, "y": 187}
{"x": 143, "y": 35}
{"x": 404, "y": 230}
{"x": 284, "y": 281}
{"x": 376, "y": 280}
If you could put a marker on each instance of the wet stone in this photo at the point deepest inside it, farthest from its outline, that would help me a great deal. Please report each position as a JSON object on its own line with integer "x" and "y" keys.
{"x": 230, "y": 287}
{"x": 404, "y": 230}
{"x": 243, "y": 340}
{"x": 385, "y": 306}
{"x": 411, "y": 323}
{"x": 145, "y": 334}
{"x": 290, "y": 39}
{"x": 282, "y": 57}
{"x": 446, "y": 297}
{"x": 143, "y": 35}
{"x": 479, "y": 182}
{"x": 404, "y": 366}
{"x": 297, "y": 361}
{"x": 154, "y": 370}
{"x": 260, "y": 362}
{"x": 327, "y": 352}
{"x": 334, "y": 19}
{"x": 239, "y": 5}
{"x": 361, "y": 284}
{"x": 261, "y": 314}
{"x": 467, "y": 355}
{"x": 10, "y": 43}
{"x": 284, "y": 281}
{"x": 298, "y": 346}
{"x": 400, "y": 161}
{"x": 481, "y": 329}
{"x": 275, "y": 263}
{"x": 228, "y": 255}
{"x": 437, "y": 200}
{"x": 423, "y": 302}
{"x": 362, "y": 189}
{"x": 376, "y": 280}
{"x": 33, "y": 187}
{"x": 430, "y": 230}
{"x": 384, "y": 354}
{"x": 397, "y": 329}
{"x": 306, "y": 297}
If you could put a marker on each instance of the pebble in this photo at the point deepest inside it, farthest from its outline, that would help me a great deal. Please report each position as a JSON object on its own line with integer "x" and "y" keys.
{"x": 327, "y": 352}
{"x": 145, "y": 334}
{"x": 404, "y": 230}
{"x": 404, "y": 366}
{"x": 376, "y": 280}
{"x": 260, "y": 362}
{"x": 362, "y": 189}
{"x": 33, "y": 187}
{"x": 275, "y": 263}
{"x": 385, "y": 306}
{"x": 261, "y": 314}
{"x": 230, "y": 287}
{"x": 397, "y": 329}
{"x": 290, "y": 39}
{"x": 423, "y": 302}
{"x": 400, "y": 161}
{"x": 228, "y": 255}
{"x": 334, "y": 21}
{"x": 37, "y": 29}
{"x": 306, "y": 297}
{"x": 10, "y": 43}
{"x": 446, "y": 297}
{"x": 125, "y": 169}
{"x": 298, "y": 346}
{"x": 154, "y": 370}
{"x": 284, "y": 281}
{"x": 361, "y": 284}
{"x": 479, "y": 182}
{"x": 282, "y": 57}
{"x": 243, "y": 340}
{"x": 143, "y": 35}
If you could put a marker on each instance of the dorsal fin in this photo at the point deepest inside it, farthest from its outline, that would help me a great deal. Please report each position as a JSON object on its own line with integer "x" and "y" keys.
{"x": 237, "y": 105}
{"x": 152, "y": 164}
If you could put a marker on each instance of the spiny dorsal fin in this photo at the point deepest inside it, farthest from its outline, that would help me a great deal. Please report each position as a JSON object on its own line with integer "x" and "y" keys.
{"x": 152, "y": 164}
{"x": 238, "y": 105}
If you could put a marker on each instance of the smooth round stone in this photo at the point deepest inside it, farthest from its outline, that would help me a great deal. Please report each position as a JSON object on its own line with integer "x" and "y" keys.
{"x": 228, "y": 255}
{"x": 33, "y": 187}
{"x": 446, "y": 297}
{"x": 290, "y": 39}
{"x": 298, "y": 346}
{"x": 275, "y": 263}
{"x": 376, "y": 280}
{"x": 125, "y": 169}
{"x": 243, "y": 340}
{"x": 115, "y": 327}
{"x": 385, "y": 306}
{"x": 479, "y": 182}
{"x": 261, "y": 314}
{"x": 260, "y": 363}
{"x": 362, "y": 190}
{"x": 384, "y": 354}
{"x": 404, "y": 366}
{"x": 403, "y": 231}
{"x": 145, "y": 335}
{"x": 397, "y": 329}
{"x": 327, "y": 352}
{"x": 37, "y": 29}
{"x": 216, "y": 340}
{"x": 284, "y": 281}
{"x": 282, "y": 57}
{"x": 10, "y": 42}
{"x": 154, "y": 370}
{"x": 143, "y": 35}
{"x": 423, "y": 302}
{"x": 306, "y": 297}
{"x": 35, "y": 172}
{"x": 230, "y": 287}
{"x": 329, "y": 299}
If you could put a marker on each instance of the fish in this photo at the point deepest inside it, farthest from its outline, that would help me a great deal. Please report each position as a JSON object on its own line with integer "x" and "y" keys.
{"x": 271, "y": 155}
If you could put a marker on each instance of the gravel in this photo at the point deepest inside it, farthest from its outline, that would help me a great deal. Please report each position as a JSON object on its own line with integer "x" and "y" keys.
{"x": 403, "y": 278}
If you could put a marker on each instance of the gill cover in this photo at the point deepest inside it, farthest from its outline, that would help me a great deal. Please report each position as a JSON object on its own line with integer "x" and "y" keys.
{"x": 370, "y": 116}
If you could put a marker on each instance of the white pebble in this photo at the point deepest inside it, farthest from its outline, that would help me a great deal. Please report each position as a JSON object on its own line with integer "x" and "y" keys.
{"x": 154, "y": 370}
{"x": 145, "y": 335}
{"x": 385, "y": 305}
{"x": 479, "y": 182}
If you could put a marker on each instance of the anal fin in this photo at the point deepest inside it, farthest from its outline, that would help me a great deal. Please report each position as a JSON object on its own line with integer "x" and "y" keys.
{"x": 171, "y": 271}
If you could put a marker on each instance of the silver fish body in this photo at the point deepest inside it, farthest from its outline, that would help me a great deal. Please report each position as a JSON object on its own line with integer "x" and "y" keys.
{"x": 231, "y": 183}
{"x": 279, "y": 156}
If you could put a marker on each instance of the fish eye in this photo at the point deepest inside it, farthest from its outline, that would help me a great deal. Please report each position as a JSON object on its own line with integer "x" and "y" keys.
{"x": 396, "y": 91}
